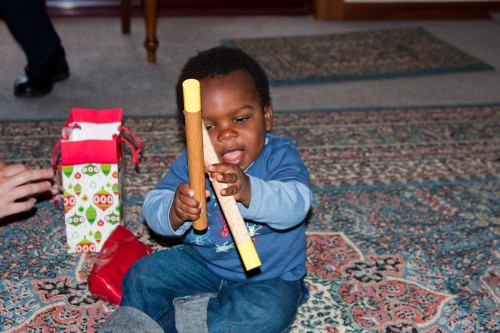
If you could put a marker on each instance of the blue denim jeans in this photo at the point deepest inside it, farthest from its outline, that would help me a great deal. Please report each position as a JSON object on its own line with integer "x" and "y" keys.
{"x": 155, "y": 281}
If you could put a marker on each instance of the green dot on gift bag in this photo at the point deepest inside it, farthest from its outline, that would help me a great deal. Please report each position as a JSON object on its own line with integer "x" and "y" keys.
{"x": 98, "y": 237}
{"x": 90, "y": 169}
{"x": 106, "y": 168}
{"x": 75, "y": 220}
{"x": 78, "y": 189}
{"x": 67, "y": 170}
{"x": 112, "y": 218}
{"x": 91, "y": 214}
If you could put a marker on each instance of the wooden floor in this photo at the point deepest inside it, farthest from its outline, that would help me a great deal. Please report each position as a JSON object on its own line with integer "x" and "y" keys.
{"x": 336, "y": 10}
{"x": 194, "y": 8}
{"x": 340, "y": 10}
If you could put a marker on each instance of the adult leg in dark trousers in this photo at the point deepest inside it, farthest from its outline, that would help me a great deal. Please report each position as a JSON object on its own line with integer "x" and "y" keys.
{"x": 32, "y": 29}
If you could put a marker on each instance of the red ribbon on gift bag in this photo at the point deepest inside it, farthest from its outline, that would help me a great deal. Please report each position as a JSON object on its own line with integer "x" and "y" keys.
{"x": 117, "y": 255}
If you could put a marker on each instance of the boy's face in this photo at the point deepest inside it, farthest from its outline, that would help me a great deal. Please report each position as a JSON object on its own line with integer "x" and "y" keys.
{"x": 235, "y": 121}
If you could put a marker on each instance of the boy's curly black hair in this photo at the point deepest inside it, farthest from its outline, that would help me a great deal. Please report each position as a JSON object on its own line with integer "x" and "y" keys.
{"x": 217, "y": 61}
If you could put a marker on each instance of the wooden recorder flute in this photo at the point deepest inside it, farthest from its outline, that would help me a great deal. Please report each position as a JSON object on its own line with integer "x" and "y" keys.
{"x": 194, "y": 124}
{"x": 239, "y": 231}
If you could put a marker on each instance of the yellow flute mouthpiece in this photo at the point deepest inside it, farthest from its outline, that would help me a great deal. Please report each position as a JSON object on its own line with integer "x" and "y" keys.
{"x": 192, "y": 97}
{"x": 248, "y": 255}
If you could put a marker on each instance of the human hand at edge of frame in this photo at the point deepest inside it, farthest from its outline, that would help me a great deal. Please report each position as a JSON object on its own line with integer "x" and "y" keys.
{"x": 238, "y": 183}
{"x": 185, "y": 207}
{"x": 19, "y": 185}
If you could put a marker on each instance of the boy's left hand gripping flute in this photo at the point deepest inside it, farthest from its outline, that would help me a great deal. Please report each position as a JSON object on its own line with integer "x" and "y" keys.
{"x": 194, "y": 131}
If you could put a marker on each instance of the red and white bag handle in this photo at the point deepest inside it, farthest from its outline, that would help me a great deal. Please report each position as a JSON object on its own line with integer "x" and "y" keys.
{"x": 136, "y": 150}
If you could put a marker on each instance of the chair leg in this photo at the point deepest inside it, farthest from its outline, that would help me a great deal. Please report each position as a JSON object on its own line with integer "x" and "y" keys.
{"x": 125, "y": 16}
{"x": 150, "y": 15}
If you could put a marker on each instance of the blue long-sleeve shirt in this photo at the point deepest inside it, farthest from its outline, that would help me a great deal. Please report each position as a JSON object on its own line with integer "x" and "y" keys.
{"x": 281, "y": 198}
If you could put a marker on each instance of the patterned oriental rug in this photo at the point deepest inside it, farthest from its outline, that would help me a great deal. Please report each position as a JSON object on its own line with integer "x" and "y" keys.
{"x": 403, "y": 235}
{"x": 355, "y": 55}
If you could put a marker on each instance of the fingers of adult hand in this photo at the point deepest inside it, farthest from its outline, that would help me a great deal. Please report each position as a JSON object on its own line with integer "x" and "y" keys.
{"x": 19, "y": 174}
{"x": 42, "y": 174}
{"x": 9, "y": 170}
{"x": 54, "y": 189}
{"x": 30, "y": 189}
{"x": 17, "y": 207}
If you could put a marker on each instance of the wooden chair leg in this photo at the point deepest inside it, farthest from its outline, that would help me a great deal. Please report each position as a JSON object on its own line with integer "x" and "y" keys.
{"x": 150, "y": 15}
{"x": 125, "y": 16}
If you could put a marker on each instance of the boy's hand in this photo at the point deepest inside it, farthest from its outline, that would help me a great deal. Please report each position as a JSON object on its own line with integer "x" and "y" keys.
{"x": 238, "y": 184}
{"x": 185, "y": 207}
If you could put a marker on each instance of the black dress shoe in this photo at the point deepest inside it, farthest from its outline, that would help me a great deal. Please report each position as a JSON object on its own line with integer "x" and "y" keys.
{"x": 38, "y": 82}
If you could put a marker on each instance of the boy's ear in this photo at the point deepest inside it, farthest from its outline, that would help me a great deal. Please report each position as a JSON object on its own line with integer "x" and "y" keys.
{"x": 268, "y": 117}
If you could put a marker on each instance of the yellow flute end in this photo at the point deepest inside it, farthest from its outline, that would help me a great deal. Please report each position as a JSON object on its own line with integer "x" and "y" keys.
{"x": 192, "y": 97}
{"x": 249, "y": 255}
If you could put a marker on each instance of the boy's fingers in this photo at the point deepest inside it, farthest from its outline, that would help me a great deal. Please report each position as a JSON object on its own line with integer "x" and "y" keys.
{"x": 186, "y": 212}
{"x": 220, "y": 167}
{"x": 185, "y": 190}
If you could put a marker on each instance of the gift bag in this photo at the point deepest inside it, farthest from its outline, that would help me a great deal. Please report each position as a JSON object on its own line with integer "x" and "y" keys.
{"x": 119, "y": 252}
{"x": 91, "y": 175}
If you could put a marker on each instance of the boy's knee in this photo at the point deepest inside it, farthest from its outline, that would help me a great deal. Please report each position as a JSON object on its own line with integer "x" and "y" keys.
{"x": 130, "y": 276}
{"x": 133, "y": 279}
{"x": 127, "y": 319}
